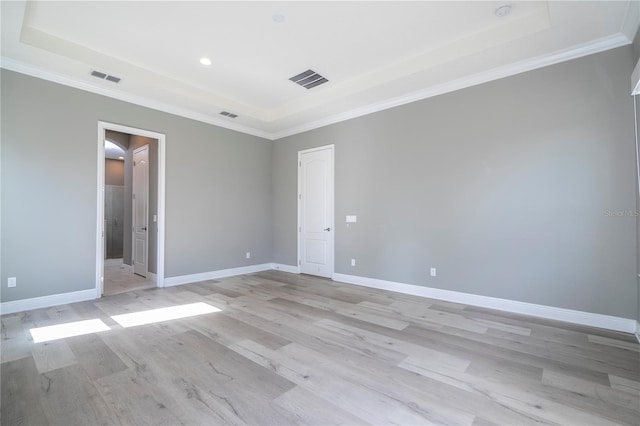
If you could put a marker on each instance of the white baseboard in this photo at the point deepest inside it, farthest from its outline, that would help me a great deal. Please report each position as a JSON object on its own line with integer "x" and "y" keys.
{"x": 46, "y": 301}
{"x": 542, "y": 311}
{"x": 285, "y": 268}
{"x": 212, "y": 275}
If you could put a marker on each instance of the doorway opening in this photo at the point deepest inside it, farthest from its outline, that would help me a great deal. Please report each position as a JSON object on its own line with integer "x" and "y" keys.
{"x": 130, "y": 223}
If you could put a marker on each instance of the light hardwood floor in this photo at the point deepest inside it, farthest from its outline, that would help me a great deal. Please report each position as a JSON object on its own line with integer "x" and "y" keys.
{"x": 294, "y": 349}
{"x": 119, "y": 278}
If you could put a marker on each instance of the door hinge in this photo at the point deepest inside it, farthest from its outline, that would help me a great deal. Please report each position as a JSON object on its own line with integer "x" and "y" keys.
{"x": 299, "y": 228}
{"x": 299, "y": 262}
{"x": 299, "y": 196}
{"x": 299, "y": 163}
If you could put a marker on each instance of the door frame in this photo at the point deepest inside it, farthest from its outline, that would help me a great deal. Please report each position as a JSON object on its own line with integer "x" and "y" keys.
{"x": 331, "y": 147}
{"x": 103, "y": 126}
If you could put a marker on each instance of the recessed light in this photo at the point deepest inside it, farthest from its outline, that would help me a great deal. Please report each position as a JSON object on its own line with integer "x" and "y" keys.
{"x": 503, "y": 11}
{"x": 120, "y": 158}
{"x": 278, "y": 18}
{"x": 205, "y": 61}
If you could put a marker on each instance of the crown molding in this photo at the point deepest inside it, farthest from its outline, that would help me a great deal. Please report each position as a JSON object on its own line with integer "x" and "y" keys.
{"x": 596, "y": 46}
{"x": 600, "y": 45}
{"x": 631, "y": 20}
{"x": 33, "y": 71}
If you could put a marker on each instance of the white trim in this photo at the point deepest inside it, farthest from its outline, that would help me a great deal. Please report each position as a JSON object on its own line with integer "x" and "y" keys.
{"x": 631, "y": 20}
{"x": 160, "y": 249}
{"x": 100, "y": 230}
{"x": 635, "y": 80}
{"x": 563, "y": 55}
{"x": 34, "y": 71}
{"x": 212, "y": 275}
{"x": 637, "y": 333}
{"x": 597, "y": 46}
{"x": 333, "y": 202}
{"x": 285, "y": 268}
{"x": 542, "y": 311}
{"x": 46, "y": 301}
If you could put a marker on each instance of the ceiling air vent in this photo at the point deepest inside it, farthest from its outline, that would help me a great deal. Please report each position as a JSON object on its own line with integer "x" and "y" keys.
{"x": 309, "y": 79}
{"x": 104, "y": 76}
{"x": 228, "y": 114}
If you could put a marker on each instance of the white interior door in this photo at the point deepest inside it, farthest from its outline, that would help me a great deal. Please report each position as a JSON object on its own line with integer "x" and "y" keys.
{"x": 315, "y": 211}
{"x": 140, "y": 210}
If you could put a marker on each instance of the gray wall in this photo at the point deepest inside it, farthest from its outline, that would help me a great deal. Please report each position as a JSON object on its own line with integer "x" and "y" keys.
{"x": 217, "y": 188}
{"x": 113, "y": 172}
{"x": 120, "y": 139}
{"x": 511, "y": 189}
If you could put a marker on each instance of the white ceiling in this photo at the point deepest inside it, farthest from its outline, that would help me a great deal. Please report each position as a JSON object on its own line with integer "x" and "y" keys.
{"x": 375, "y": 54}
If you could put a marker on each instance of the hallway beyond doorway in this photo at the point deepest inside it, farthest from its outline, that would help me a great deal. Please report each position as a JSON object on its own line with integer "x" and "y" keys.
{"x": 119, "y": 278}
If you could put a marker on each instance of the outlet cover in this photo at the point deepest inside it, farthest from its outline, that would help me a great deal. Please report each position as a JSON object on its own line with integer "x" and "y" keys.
{"x": 11, "y": 282}
{"x": 433, "y": 272}
{"x": 353, "y": 262}
{"x": 248, "y": 255}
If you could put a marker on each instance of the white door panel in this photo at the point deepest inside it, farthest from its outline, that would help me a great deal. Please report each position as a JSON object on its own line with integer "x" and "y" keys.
{"x": 315, "y": 251}
{"x": 140, "y": 210}
{"x": 315, "y": 208}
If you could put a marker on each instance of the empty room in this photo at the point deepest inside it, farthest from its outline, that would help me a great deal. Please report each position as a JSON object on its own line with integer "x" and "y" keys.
{"x": 319, "y": 212}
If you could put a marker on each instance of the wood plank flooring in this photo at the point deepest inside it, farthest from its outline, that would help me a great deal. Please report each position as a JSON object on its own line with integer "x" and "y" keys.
{"x": 119, "y": 278}
{"x": 293, "y": 349}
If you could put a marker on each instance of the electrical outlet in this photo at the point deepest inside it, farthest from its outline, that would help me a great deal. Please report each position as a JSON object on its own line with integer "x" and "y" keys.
{"x": 11, "y": 282}
{"x": 248, "y": 255}
{"x": 353, "y": 262}
{"x": 433, "y": 272}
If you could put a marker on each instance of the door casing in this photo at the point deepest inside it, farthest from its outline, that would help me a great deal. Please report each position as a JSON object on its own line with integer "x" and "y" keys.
{"x": 103, "y": 126}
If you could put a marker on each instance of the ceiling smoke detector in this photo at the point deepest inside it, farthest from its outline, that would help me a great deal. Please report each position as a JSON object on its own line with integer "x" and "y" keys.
{"x": 308, "y": 79}
{"x": 503, "y": 11}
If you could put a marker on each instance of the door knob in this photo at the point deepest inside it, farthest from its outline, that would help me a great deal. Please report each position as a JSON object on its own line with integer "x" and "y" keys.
{"x": 327, "y": 229}
{"x": 144, "y": 229}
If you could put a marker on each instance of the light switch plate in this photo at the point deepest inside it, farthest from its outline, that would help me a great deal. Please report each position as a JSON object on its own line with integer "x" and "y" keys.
{"x": 352, "y": 219}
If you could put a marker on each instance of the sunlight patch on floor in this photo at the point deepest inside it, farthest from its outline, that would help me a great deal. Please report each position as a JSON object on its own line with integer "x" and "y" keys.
{"x": 164, "y": 314}
{"x": 70, "y": 329}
